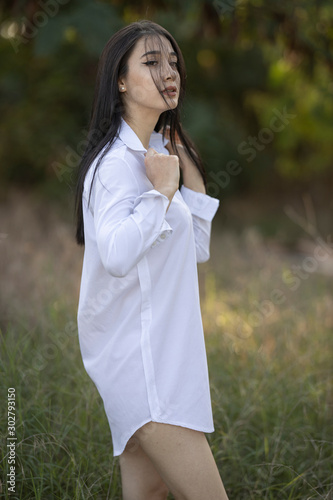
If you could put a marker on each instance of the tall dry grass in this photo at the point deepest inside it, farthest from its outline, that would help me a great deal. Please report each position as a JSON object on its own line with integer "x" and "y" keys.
{"x": 40, "y": 261}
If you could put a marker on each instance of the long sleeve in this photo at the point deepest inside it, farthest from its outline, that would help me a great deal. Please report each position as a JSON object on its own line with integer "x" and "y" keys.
{"x": 127, "y": 223}
{"x": 203, "y": 209}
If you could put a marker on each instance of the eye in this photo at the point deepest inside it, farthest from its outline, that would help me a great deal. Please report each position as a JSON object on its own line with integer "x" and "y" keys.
{"x": 153, "y": 63}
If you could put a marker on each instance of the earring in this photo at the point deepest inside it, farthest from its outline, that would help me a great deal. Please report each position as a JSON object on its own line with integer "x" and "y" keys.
{"x": 122, "y": 88}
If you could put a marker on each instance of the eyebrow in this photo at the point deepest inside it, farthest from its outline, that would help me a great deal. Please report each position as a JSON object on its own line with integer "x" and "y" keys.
{"x": 157, "y": 52}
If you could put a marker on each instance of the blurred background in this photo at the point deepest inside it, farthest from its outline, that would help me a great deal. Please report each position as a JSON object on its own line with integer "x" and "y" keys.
{"x": 259, "y": 104}
{"x": 260, "y": 108}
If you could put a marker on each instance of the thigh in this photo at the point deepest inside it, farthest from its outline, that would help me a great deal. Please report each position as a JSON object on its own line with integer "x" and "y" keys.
{"x": 139, "y": 478}
{"x": 184, "y": 460}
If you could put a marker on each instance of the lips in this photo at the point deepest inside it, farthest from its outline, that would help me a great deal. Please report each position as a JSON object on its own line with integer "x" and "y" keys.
{"x": 170, "y": 91}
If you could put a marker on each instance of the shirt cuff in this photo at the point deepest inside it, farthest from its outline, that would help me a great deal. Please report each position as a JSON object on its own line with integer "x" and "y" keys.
{"x": 200, "y": 204}
{"x": 165, "y": 230}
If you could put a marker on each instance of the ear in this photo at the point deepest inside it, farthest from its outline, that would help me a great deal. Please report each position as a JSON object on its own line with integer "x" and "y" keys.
{"x": 121, "y": 86}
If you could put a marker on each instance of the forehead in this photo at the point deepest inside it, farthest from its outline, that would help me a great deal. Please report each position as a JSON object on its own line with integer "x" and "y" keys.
{"x": 147, "y": 44}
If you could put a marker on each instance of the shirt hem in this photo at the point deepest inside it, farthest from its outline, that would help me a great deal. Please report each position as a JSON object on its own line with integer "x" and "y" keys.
{"x": 208, "y": 430}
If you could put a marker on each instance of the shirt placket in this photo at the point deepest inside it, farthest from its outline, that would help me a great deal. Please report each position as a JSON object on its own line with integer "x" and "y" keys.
{"x": 146, "y": 352}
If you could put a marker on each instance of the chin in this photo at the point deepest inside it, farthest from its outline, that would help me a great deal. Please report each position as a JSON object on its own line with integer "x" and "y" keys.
{"x": 173, "y": 103}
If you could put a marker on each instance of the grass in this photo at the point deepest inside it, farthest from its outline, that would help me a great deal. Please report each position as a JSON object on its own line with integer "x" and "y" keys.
{"x": 269, "y": 362}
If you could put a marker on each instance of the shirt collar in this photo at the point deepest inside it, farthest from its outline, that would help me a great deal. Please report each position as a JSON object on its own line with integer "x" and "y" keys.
{"x": 132, "y": 141}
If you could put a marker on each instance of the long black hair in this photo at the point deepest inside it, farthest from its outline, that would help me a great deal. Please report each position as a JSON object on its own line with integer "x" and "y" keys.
{"x": 108, "y": 107}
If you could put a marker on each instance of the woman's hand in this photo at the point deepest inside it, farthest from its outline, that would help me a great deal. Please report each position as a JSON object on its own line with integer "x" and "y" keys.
{"x": 191, "y": 176}
{"x": 163, "y": 172}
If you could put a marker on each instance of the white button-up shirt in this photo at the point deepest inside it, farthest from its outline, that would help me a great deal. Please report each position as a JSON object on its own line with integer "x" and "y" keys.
{"x": 139, "y": 320}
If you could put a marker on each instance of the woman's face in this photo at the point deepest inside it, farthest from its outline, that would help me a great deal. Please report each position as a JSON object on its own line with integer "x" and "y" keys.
{"x": 154, "y": 60}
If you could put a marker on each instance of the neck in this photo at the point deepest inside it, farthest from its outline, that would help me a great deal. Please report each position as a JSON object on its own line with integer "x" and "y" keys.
{"x": 143, "y": 125}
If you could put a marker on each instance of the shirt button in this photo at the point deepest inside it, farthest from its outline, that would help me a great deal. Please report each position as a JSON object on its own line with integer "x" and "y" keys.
{"x": 163, "y": 236}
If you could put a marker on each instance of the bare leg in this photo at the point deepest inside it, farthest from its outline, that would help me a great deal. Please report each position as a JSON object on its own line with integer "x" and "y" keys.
{"x": 139, "y": 477}
{"x": 184, "y": 460}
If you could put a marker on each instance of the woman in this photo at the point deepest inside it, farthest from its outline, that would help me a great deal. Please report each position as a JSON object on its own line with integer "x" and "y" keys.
{"x": 139, "y": 320}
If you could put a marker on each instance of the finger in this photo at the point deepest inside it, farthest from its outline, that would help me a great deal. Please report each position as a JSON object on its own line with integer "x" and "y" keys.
{"x": 151, "y": 152}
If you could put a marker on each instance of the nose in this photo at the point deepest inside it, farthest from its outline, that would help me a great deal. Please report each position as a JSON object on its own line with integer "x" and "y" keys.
{"x": 169, "y": 72}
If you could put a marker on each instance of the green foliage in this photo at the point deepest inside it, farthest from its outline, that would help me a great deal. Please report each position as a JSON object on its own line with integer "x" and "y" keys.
{"x": 87, "y": 24}
{"x": 246, "y": 60}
